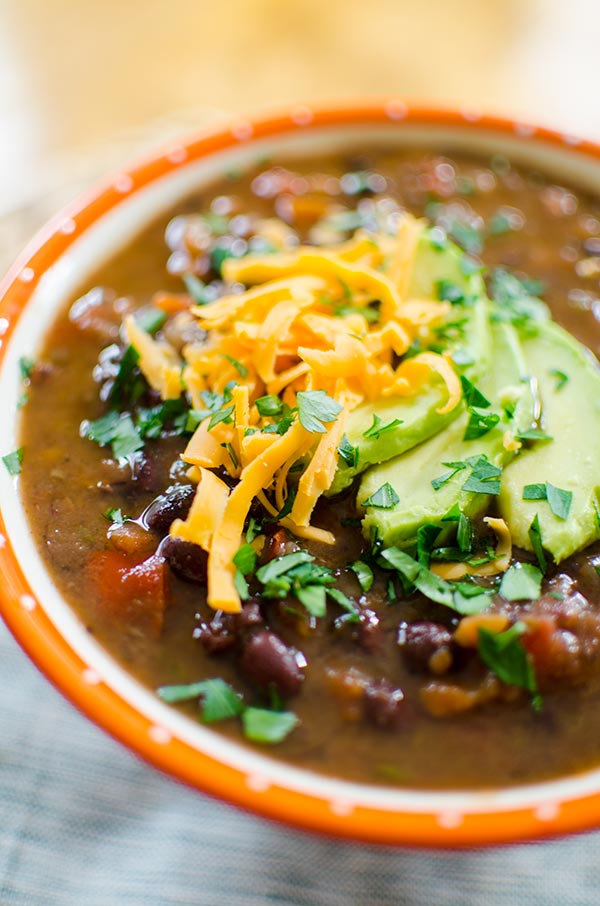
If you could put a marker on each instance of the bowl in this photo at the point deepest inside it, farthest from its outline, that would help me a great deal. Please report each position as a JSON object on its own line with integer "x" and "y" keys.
{"x": 56, "y": 261}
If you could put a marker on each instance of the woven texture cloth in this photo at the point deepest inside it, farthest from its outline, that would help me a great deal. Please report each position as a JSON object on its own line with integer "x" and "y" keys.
{"x": 84, "y": 823}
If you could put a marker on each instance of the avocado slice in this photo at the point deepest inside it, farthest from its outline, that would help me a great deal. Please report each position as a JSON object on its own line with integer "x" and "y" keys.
{"x": 418, "y": 414}
{"x": 411, "y": 474}
{"x": 571, "y": 416}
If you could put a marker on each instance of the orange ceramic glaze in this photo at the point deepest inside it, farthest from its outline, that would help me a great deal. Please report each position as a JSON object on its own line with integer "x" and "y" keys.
{"x": 403, "y": 817}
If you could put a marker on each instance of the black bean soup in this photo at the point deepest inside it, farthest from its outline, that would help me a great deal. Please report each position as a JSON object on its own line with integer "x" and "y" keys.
{"x": 381, "y": 693}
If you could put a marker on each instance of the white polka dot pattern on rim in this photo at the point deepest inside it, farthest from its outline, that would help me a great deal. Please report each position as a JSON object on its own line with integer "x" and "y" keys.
{"x": 27, "y": 275}
{"x": 28, "y": 602}
{"x": 3, "y": 326}
{"x": 242, "y": 130}
{"x": 525, "y": 130}
{"x": 341, "y": 807}
{"x": 471, "y": 114}
{"x": 2, "y": 542}
{"x": 572, "y": 140}
{"x": 177, "y": 155}
{"x": 159, "y": 735}
{"x": 302, "y": 116}
{"x": 123, "y": 183}
{"x": 547, "y": 811}
{"x": 91, "y": 677}
{"x": 257, "y": 783}
{"x": 396, "y": 110}
{"x": 67, "y": 226}
{"x": 450, "y": 819}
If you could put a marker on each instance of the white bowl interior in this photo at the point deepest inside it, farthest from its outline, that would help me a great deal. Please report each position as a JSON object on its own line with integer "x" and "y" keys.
{"x": 95, "y": 246}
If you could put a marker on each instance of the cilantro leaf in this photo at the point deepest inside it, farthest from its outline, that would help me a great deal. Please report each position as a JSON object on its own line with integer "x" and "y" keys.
{"x": 364, "y": 574}
{"x": 515, "y": 301}
{"x": 115, "y": 515}
{"x": 449, "y": 292}
{"x": 559, "y": 500}
{"x": 223, "y": 415}
{"x": 13, "y": 461}
{"x": 534, "y": 492}
{"x": 239, "y": 367}
{"x": 269, "y": 406}
{"x": 378, "y": 427}
{"x": 480, "y": 424}
{"x": 384, "y": 498}
{"x": 115, "y": 429}
{"x": 474, "y": 398}
{"x": 200, "y": 293}
{"x": 261, "y": 725}
{"x": 533, "y": 434}
{"x": 315, "y": 409}
{"x": 348, "y": 452}
{"x": 219, "y": 700}
{"x": 521, "y": 582}
{"x": 246, "y": 559}
{"x": 535, "y": 536}
{"x": 561, "y": 378}
{"x": 150, "y": 318}
{"x": 484, "y": 477}
{"x": 454, "y": 468}
{"x": 504, "y": 654}
{"x": 313, "y": 599}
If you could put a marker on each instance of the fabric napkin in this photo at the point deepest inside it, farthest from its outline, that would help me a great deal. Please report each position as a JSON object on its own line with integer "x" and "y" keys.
{"x": 85, "y": 823}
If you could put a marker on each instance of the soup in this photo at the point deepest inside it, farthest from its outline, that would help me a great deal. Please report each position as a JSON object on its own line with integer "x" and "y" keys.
{"x": 410, "y": 595}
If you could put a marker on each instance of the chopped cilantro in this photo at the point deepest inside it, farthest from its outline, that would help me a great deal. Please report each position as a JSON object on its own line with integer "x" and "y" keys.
{"x": 222, "y": 415}
{"x": 198, "y": 290}
{"x": 558, "y": 499}
{"x": 470, "y": 266}
{"x": 515, "y": 301}
{"x": 466, "y": 235}
{"x": 499, "y": 224}
{"x": 269, "y": 406}
{"x": 561, "y": 378}
{"x": 241, "y": 369}
{"x": 504, "y": 654}
{"x": 521, "y": 582}
{"x": 343, "y": 600}
{"x": 378, "y": 427}
{"x": 479, "y": 424}
{"x": 535, "y": 536}
{"x": 313, "y": 599}
{"x": 254, "y": 529}
{"x": 384, "y": 498}
{"x": 241, "y": 585}
{"x": 449, "y": 292}
{"x": 261, "y": 725}
{"x": 364, "y": 574}
{"x": 115, "y": 429}
{"x": 129, "y": 384}
{"x": 348, "y": 452}
{"x": 299, "y": 575}
{"x": 533, "y": 434}
{"x": 455, "y": 467}
{"x": 426, "y": 537}
{"x": 484, "y": 477}
{"x": 26, "y": 366}
{"x": 115, "y": 515}
{"x": 246, "y": 559}
{"x": 150, "y": 318}
{"x": 315, "y": 409}
{"x": 219, "y": 700}
{"x": 13, "y": 461}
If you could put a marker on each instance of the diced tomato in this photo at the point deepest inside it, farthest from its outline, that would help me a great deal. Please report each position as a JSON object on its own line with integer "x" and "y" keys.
{"x": 134, "y": 593}
{"x": 538, "y": 640}
{"x": 172, "y": 303}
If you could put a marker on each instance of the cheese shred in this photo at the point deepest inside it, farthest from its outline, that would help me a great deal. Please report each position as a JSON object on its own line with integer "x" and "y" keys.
{"x": 332, "y": 321}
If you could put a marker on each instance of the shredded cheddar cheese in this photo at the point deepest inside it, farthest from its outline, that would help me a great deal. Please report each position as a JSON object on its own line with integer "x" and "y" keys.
{"x": 331, "y": 321}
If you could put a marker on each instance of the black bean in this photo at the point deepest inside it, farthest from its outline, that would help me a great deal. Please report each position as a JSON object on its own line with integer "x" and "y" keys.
{"x": 420, "y": 640}
{"x": 278, "y": 543}
{"x": 267, "y": 662}
{"x": 163, "y": 510}
{"x": 383, "y": 704}
{"x": 187, "y": 560}
{"x": 371, "y": 636}
{"x": 223, "y": 632}
{"x": 147, "y": 473}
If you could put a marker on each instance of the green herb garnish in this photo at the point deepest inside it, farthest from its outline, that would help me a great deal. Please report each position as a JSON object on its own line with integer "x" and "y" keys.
{"x": 363, "y": 573}
{"x": 115, "y": 429}
{"x": 558, "y": 499}
{"x": 535, "y": 536}
{"x": 13, "y": 461}
{"x": 269, "y": 406}
{"x": 561, "y": 378}
{"x": 504, "y": 654}
{"x": 521, "y": 582}
{"x": 384, "y": 498}
{"x": 261, "y": 725}
{"x": 315, "y": 409}
{"x": 378, "y": 427}
{"x": 348, "y": 452}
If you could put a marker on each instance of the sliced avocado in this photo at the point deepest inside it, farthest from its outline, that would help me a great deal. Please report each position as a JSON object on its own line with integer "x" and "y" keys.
{"x": 569, "y": 386}
{"x": 411, "y": 474}
{"x": 418, "y": 414}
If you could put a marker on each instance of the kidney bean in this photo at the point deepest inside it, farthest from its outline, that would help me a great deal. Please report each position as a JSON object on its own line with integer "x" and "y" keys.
{"x": 267, "y": 662}
{"x": 187, "y": 560}
{"x": 164, "y": 509}
{"x": 420, "y": 640}
{"x": 384, "y": 704}
{"x": 371, "y": 636}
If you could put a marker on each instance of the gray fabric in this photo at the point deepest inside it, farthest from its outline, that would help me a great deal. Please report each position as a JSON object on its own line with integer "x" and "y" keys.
{"x": 84, "y": 823}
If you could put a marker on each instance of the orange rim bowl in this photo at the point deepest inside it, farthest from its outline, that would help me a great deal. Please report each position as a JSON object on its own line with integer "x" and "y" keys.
{"x": 101, "y": 689}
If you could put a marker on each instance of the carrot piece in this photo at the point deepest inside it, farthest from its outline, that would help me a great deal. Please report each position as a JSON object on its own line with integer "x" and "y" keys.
{"x": 129, "y": 591}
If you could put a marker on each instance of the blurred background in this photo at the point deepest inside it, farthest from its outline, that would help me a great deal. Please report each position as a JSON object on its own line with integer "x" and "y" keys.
{"x": 87, "y": 85}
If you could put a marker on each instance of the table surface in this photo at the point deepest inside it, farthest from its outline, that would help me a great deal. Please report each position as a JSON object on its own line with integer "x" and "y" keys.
{"x": 83, "y": 87}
